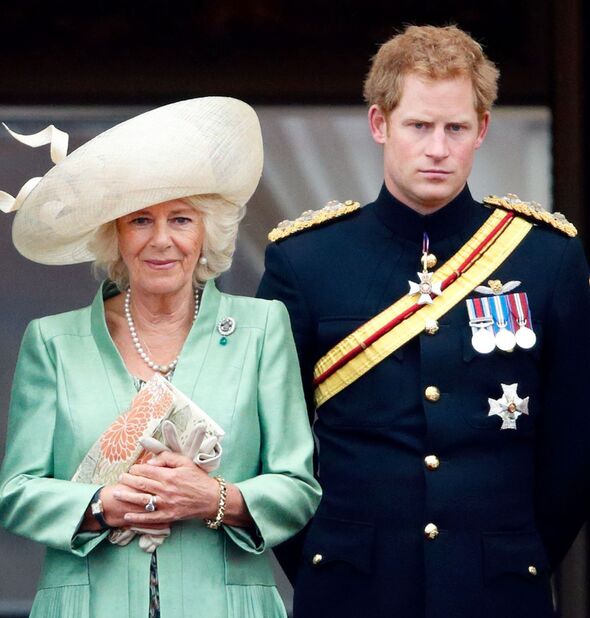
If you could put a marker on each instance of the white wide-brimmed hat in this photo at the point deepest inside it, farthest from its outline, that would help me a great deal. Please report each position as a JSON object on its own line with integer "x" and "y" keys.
{"x": 211, "y": 145}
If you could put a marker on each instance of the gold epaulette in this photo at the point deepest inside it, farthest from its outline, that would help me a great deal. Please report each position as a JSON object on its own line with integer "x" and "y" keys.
{"x": 312, "y": 218}
{"x": 533, "y": 210}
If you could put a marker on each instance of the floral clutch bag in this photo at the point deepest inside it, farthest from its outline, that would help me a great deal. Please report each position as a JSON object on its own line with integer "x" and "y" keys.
{"x": 119, "y": 447}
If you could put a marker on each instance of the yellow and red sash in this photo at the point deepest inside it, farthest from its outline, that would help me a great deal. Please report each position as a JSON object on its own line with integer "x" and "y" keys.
{"x": 382, "y": 335}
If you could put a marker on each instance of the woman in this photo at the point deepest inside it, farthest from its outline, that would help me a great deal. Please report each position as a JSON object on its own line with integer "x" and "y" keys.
{"x": 156, "y": 201}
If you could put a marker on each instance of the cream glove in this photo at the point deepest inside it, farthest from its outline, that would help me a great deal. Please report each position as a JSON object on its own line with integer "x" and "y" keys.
{"x": 149, "y": 540}
{"x": 205, "y": 450}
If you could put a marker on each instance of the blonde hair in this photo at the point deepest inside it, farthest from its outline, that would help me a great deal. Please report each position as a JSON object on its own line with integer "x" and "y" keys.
{"x": 433, "y": 53}
{"x": 220, "y": 222}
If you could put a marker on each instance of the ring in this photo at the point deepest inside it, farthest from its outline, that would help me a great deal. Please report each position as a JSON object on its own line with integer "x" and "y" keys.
{"x": 150, "y": 507}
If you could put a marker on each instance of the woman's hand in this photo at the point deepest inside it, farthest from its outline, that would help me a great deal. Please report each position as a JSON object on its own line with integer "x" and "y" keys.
{"x": 118, "y": 500}
{"x": 181, "y": 489}
{"x": 115, "y": 508}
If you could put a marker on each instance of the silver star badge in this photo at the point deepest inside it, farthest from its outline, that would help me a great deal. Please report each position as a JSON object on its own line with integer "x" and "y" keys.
{"x": 426, "y": 288}
{"x": 509, "y": 407}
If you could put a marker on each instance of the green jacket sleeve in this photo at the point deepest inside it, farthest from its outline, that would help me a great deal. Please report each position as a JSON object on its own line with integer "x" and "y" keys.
{"x": 33, "y": 503}
{"x": 285, "y": 495}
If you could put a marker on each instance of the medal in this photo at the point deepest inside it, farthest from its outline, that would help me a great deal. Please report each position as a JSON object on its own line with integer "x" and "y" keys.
{"x": 483, "y": 341}
{"x": 505, "y": 338}
{"x": 482, "y": 326}
{"x": 519, "y": 307}
{"x": 525, "y": 338}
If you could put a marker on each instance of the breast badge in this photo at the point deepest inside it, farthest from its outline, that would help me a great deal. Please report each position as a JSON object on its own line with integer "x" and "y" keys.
{"x": 509, "y": 407}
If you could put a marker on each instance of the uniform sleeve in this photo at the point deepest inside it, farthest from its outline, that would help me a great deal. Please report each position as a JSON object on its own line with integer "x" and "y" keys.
{"x": 280, "y": 282}
{"x": 284, "y": 496}
{"x": 563, "y": 441}
{"x": 33, "y": 504}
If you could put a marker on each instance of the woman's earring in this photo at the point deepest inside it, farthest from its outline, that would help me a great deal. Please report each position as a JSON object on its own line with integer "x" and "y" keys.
{"x": 203, "y": 261}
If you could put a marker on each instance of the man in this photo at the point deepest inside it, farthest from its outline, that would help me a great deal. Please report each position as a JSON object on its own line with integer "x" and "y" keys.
{"x": 451, "y": 355}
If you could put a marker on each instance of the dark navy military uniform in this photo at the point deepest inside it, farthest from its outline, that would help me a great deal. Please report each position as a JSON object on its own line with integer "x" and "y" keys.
{"x": 430, "y": 510}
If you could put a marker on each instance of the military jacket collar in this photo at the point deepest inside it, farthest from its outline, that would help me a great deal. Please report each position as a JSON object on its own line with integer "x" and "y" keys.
{"x": 410, "y": 225}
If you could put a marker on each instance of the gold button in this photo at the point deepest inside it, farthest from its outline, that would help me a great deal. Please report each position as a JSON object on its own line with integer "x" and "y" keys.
{"x": 317, "y": 559}
{"x": 432, "y": 462}
{"x": 431, "y": 532}
{"x": 431, "y": 327}
{"x": 432, "y": 393}
{"x": 428, "y": 261}
{"x": 533, "y": 570}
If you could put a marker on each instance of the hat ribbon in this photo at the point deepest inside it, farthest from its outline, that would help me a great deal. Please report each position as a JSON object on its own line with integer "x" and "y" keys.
{"x": 59, "y": 150}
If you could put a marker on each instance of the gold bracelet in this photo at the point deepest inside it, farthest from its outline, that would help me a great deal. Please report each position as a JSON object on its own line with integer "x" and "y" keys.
{"x": 215, "y": 524}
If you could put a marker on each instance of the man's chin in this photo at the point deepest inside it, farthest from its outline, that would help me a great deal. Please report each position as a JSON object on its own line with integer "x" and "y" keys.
{"x": 438, "y": 195}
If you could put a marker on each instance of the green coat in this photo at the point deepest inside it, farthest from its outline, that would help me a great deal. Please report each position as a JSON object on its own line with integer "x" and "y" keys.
{"x": 71, "y": 383}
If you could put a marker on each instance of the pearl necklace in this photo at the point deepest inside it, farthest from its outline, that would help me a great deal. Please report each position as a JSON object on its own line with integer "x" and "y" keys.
{"x": 134, "y": 337}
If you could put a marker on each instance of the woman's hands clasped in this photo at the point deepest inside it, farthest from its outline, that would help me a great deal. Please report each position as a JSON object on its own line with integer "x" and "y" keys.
{"x": 181, "y": 490}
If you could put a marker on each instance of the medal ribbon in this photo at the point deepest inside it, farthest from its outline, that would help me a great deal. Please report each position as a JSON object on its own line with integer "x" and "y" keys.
{"x": 500, "y": 312}
{"x": 382, "y": 335}
{"x": 472, "y": 309}
{"x": 478, "y": 308}
{"x": 520, "y": 309}
{"x": 425, "y": 250}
